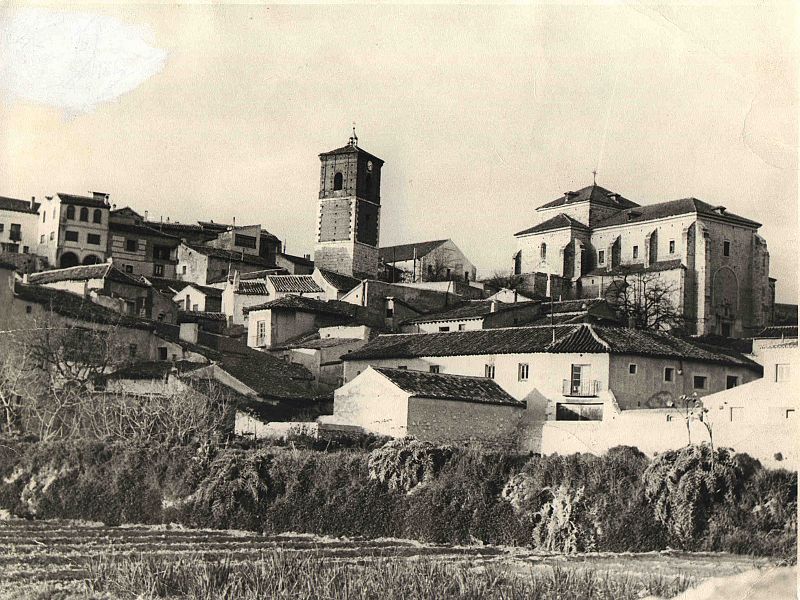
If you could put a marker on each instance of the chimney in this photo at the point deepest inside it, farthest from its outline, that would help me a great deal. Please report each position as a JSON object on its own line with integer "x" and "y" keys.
{"x": 145, "y": 215}
{"x": 33, "y": 201}
{"x": 189, "y": 332}
{"x": 236, "y": 279}
{"x": 493, "y": 306}
{"x": 113, "y": 207}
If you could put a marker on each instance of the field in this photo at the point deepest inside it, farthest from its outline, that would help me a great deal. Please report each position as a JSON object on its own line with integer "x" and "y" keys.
{"x": 40, "y": 559}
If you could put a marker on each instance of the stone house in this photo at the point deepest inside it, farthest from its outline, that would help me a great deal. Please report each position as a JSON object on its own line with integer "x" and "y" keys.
{"x": 429, "y": 406}
{"x": 566, "y": 372}
{"x": 195, "y": 297}
{"x": 714, "y": 261}
{"x": 438, "y": 260}
{"x": 508, "y": 295}
{"x": 206, "y": 265}
{"x": 19, "y": 225}
{"x": 139, "y": 249}
{"x": 73, "y": 230}
{"x": 476, "y": 314}
{"x": 295, "y": 265}
{"x": 335, "y": 285}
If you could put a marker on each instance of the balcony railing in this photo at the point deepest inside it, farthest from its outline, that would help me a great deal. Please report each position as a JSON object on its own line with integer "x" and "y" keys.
{"x": 580, "y": 388}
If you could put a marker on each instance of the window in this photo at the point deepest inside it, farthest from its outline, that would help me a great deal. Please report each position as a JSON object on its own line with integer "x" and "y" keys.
{"x": 15, "y": 233}
{"x": 731, "y": 381}
{"x": 70, "y": 236}
{"x": 97, "y": 216}
{"x": 672, "y": 246}
{"x": 261, "y": 333}
{"x": 85, "y": 214}
{"x": 53, "y": 235}
{"x": 434, "y": 368}
{"x": 735, "y": 413}
{"x": 523, "y": 369}
{"x": 162, "y": 353}
{"x": 194, "y": 307}
{"x": 699, "y": 382}
{"x": 632, "y": 368}
{"x": 245, "y": 241}
{"x": 93, "y": 238}
{"x": 444, "y": 328}
{"x": 183, "y": 269}
{"x": 462, "y": 326}
{"x": 466, "y": 276}
{"x": 726, "y": 329}
{"x": 132, "y": 350}
{"x": 726, "y": 248}
{"x": 41, "y": 239}
{"x": 669, "y": 374}
{"x": 782, "y": 372}
{"x": 161, "y": 252}
{"x": 543, "y": 250}
{"x": 636, "y": 252}
{"x": 71, "y": 212}
{"x": 488, "y": 371}
{"x": 29, "y": 309}
{"x": 338, "y": 181}
{"x": 1, "y": 227}
{"x": 187, "y": 304}
{"x": 790, "y": 413}
{"x": 25, "y": 249}
{"x": 389, "y": 312}
{"x": 601, "y": 257}
{"x": 158, "y": 270}
{"x": 129, "y": 268}
{"x": 44, "y": 217}
{"x": 131, "y": 245}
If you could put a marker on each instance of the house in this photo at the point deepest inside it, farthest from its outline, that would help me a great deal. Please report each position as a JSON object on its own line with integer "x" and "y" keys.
{"x": 195, "y": 297}
{"x": 245, "y": 292}
{"x": 206, "y": 265}
{"x": 565, "y": 372}
{"x": 279, "y": 286}
{"x": 586, "y": 310}
{"x": 334, "y": 284}
{"x": 138, "y": 249}
{"x": 321, "y": 351}
{"x": 274, "y": 323}
{"x": 508, "y": 295}
{"x": 476, "y": 314}
{"x": 713, "y": 262}
{"x": 73, "y": 230}
{"x": 295, "y": 265}
{"x": 438, "y": 260}
{"x": 107, "y": 285}
{"x": 429, "y": 406}
{"x": 19, "y": 223}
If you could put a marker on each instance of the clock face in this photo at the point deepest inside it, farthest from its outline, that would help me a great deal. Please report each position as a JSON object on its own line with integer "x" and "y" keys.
{"x": 369, "y": 166}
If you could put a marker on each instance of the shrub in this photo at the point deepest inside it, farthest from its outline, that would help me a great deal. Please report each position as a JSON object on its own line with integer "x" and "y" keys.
{"x": 405, "y": 463}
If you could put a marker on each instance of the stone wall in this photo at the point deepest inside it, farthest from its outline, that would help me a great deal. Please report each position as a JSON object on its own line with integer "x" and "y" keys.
{"x": 448, "y": 421}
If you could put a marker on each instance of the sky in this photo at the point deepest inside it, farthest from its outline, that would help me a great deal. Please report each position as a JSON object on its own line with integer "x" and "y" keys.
{"x": 481, "y": 113}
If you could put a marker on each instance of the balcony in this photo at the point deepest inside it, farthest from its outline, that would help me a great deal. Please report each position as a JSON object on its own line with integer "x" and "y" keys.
{"x": 580, "y": 389}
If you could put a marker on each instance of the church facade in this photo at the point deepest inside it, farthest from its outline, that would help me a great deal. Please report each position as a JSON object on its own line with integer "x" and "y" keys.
{"x": 348, "y": 218}
{"x": 714, "y": 263}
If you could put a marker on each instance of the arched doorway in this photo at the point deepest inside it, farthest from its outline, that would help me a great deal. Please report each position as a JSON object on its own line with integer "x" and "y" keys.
{"x": 68, "y": 259}
{"x": 90, "y": 259}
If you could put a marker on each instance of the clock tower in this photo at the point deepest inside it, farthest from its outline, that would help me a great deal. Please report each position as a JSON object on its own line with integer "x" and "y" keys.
{"x": 348, "y": 221}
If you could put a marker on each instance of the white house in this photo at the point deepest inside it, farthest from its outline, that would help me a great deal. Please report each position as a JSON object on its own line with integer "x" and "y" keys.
{"x": 195, "y": 297}
{"x": 19, "y": 224}
{"x": 428, "y": 406}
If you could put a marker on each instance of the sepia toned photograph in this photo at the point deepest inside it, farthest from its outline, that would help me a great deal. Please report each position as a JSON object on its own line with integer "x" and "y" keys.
{"x": 399, "y": 301}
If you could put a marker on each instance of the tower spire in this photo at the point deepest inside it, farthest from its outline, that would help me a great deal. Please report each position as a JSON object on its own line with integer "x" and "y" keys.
{"x": 354, "y": 138}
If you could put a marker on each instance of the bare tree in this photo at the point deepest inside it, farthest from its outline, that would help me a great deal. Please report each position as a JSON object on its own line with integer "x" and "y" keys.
{"x": 501, "y": 280}
{"x": 646, "y": 300}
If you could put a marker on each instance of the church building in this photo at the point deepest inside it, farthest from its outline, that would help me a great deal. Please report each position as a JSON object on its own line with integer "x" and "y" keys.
{"x": 713, "y": 261}
{"x": 348, "y": 222}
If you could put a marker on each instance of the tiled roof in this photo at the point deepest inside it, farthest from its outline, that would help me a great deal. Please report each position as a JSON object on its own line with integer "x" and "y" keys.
{"x": 234, "y": 257}
{"x": 262, "y": 273}
{"x": 294, "y": 284}
{"x": 165, "y": 285}
{"x": 298, "y": 260}
{"x": 478, "y": 390}
{"x": 664, "y": 265}
{"x": 252, "y": 288}
{"x": 197, "y": 316}
{"x": 152, "y": 369}
{"x": 351, "y": 149}
{"x": 15, "y": 205}
{"x": 777, "y": 332}
{"x": 593, "y": 193}
{"x": 206, "y": 290}
{"x": 75, "y": 306}
{"x": 302, "y": 303}
{"x": 471, "y": 310}
{"x": 315, "y": 344}
{"x": 684, "y": 206}
{"x": 143, "y": 230}
{"x": 343, "y": 283}
{"x": 84, "y": 272}
{"x": 82, "y": 200}
{"x": 568, "y": 338}
{"x": 404, "y": 252}
{"x": 220, "y": 227}
{"x": 558, "y": 222}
